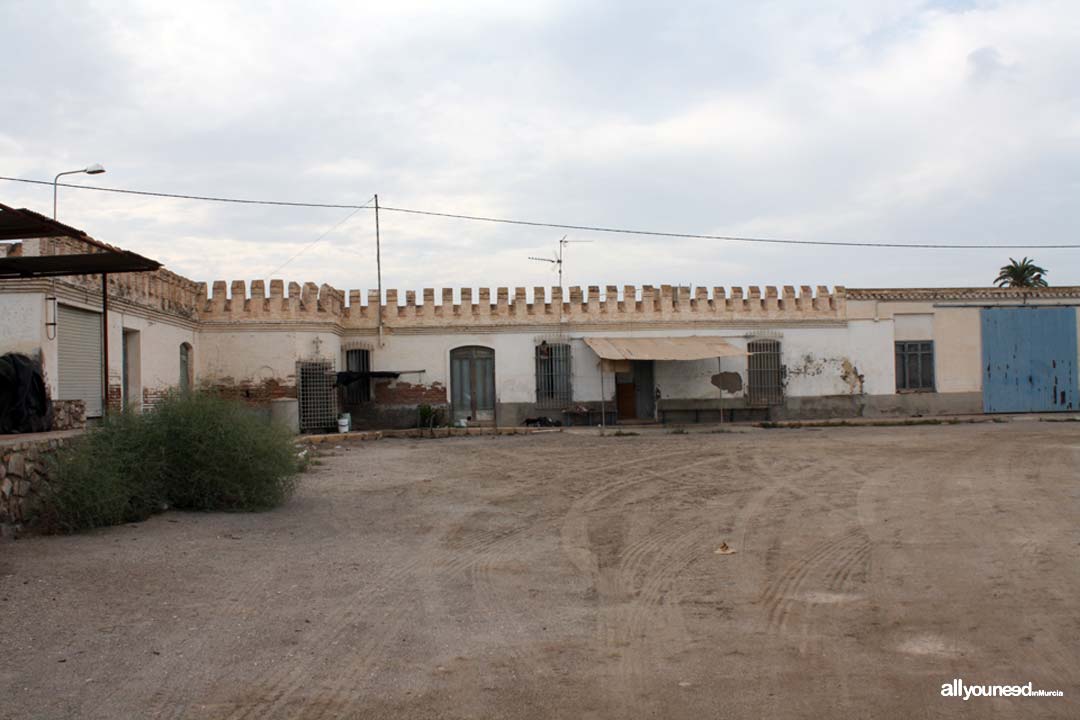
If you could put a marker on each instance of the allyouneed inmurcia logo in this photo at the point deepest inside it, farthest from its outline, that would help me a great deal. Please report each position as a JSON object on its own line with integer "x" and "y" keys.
{"x": 959, "y": 689}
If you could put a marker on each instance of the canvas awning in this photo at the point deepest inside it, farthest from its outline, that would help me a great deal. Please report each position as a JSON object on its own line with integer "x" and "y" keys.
{"x": 695, "y": 347}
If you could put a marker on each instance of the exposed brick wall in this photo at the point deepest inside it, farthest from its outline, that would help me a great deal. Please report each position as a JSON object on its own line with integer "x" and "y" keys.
{"x": 115, "y": 398}
{"x": 398, "y": 392}
{"x": 254, "y": 392}
{"x": 152, "y": 396}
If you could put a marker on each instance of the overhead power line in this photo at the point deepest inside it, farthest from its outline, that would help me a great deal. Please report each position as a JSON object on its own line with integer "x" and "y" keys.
{"x": 733, "y": 238}
{"x": 304, "y": 249}
{"x": 567, "y": 226}
{"x": 208, "y": 198}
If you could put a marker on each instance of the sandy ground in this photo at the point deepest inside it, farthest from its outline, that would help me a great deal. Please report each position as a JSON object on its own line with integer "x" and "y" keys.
{"x": 575, "y": 576}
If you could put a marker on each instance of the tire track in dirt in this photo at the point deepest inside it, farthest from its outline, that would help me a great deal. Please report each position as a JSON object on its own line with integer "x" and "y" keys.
{"x": 446, "y": 565}
{"x": 629, "y": 596}
{"x": 1050, "y": 657}
{"x": 648, "y": 567}
{"x": 656, "y": 591}
{"x": 778, "y": 596}
{"x": 574, "y": 533}
{"x": 174, "y": 699}
{"x": 281, "y": 685}
{"x": 498, "y": 603}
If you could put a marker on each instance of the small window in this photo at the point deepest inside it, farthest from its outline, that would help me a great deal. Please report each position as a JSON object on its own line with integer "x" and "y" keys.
{"x": 552, "y": 375}
{"x": 915, "y": 365}
{"x": 358, "y": 391}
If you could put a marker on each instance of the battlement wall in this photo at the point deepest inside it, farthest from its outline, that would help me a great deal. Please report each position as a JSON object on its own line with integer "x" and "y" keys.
{"x": 240, "y": 301}
{"x": 160, "y": 290}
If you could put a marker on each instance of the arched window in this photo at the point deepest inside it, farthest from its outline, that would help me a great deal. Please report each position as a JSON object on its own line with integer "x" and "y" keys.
{"x": 187, "y": 372}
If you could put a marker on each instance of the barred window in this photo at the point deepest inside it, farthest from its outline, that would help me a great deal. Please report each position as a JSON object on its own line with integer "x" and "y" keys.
{"x": 359, "y": 391}
{"x": 553, "y": 375}
{"x": 915, "y": 365}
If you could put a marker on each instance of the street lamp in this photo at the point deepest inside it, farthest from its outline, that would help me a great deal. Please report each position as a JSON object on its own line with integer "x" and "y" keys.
{"x": 94, "y": 169}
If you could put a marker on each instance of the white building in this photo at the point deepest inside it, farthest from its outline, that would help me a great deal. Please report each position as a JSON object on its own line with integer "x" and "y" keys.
{"x": 512, "y": 356}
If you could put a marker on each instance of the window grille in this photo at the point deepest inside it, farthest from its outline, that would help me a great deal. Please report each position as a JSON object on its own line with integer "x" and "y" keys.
{"x": 359, "y": 391}
{"x": 765, "y": 374}
{"x": 553, "y": 377}
{"x": 316, "y": 396}
{"x": 915, "y": 365}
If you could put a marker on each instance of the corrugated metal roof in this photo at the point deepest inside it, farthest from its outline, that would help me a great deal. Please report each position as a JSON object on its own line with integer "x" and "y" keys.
{"x": 694, "y": 347}
{"x": 25, "y": 224}
{"x": 86, "y": 264}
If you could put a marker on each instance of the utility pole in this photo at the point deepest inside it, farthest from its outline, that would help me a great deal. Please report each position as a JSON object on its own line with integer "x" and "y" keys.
{"x": 378, "y": 269}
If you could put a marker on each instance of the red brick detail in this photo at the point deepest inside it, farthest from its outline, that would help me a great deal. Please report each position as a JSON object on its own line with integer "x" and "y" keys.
{"x": 398, "y": 392}
{"x": 152, "y": 396}
{"x": 255, "y": 392}
{"x": 115, "y": 398}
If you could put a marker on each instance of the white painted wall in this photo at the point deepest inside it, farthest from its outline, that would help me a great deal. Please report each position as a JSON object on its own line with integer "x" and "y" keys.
{"x": 158, "y": 352}
{"x": 515, "y": 370}
{"x": 22, "y": 322}
{"x": 957, "y": 350}
{"x": 814, "y": 357}
{"x": 257, "y": 356}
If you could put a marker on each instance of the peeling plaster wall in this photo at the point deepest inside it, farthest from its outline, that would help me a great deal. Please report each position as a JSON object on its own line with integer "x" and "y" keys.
{"x": 514, "y": 360}
{"x": 251, "y": 358}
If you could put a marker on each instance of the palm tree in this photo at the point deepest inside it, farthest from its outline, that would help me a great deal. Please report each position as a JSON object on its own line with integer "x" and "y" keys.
{"x": 1021, "y": 274}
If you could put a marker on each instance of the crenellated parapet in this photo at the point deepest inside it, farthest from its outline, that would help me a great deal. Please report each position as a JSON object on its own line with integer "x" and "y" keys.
{"x": 159, "y": 290}
{"x": 240, "y": 301}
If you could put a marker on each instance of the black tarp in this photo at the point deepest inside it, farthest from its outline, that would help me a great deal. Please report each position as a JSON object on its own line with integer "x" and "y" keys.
{"x": 351, "y": 376}
{"x": 24, "y": 403}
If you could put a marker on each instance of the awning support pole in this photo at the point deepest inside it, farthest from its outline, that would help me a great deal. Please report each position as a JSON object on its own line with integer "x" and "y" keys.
{"x": 720, "y": 369}
{"x": 603, "y": 400}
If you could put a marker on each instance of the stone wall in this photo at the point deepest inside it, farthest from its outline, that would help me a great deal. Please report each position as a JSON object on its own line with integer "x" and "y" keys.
{"x": 23, "y": 476}
{"x": 69, "y": 415}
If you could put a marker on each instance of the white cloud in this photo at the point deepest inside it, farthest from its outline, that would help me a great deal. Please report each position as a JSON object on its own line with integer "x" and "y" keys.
{"x": 874, "y": 121}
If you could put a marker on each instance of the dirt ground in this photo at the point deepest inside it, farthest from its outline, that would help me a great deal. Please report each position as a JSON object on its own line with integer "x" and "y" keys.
{"x": 568, "y": 575}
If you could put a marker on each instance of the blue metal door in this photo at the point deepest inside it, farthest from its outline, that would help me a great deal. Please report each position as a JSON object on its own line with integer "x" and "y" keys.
{"x": 1029, "y": 359}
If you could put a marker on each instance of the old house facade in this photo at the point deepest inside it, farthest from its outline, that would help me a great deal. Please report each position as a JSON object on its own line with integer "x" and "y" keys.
{"x": 630, "y": 353}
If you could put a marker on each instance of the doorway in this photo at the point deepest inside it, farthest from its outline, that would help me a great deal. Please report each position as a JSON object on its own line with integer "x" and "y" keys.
{"x": 634, "y": 398}
{"x": 765, "y": 373}
{"x": 472, "y": 384}
{"x": 130, "y": 365}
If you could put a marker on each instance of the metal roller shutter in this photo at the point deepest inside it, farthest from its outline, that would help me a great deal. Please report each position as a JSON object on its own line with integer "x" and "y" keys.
{"x": 79, "y": 346}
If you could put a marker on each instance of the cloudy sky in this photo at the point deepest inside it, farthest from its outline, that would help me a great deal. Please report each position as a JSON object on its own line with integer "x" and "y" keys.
{"x": 854, "y": 120}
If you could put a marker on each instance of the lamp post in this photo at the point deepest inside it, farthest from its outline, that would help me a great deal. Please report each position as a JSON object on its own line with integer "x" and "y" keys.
{"x": 94, "y": 169}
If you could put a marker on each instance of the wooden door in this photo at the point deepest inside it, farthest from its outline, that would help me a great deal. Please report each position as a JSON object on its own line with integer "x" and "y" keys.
{"x": 626, "y": 400}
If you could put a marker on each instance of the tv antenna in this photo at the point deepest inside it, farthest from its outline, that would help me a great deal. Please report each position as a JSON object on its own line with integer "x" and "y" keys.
{"x": 557, "y": 260}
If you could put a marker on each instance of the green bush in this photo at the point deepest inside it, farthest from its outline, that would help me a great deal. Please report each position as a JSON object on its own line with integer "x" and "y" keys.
{"x": 194, "y": 451}
{"x": 218, "y": 454}
{"x": 104, "y": 478}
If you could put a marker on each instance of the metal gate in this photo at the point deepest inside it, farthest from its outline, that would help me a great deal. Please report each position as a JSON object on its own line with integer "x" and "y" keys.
{"x": 79, "y": 357}
{"x": 765, "y": 374}
{"x": 1029, "y": 359}
{"x": 315, "y": 395}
